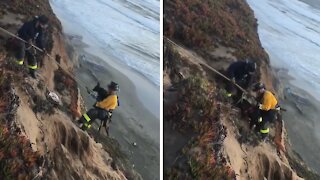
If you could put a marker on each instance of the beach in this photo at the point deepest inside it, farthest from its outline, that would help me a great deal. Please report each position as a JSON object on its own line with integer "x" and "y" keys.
{"x": 288, "y": 32}
{"x": 301, "y": 120}
{"x": 131, "y": 122}
{"x": 136, "y": 122}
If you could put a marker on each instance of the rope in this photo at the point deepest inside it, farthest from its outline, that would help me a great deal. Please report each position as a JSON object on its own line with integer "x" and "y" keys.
{"x": 223, "y": 76}
{"x": 39, "y": 49}
{"x": 219, "y": 74}
{"x": 212, "y": 69}
{"x": 13, "y": 35}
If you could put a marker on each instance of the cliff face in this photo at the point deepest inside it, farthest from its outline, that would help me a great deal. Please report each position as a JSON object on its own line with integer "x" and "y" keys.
{"x": 214, "y": 29}
{"x": 39, "y": 137}
{"x": 205, "y": 136}
{"x": 204, "y": 25}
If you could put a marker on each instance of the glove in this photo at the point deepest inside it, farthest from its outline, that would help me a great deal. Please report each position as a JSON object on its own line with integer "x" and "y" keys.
{"x": 233, "y": 80}
{"x": 44, "y": 51}
{"x": 30, "y": 41}
{"x": 32, "y": 50}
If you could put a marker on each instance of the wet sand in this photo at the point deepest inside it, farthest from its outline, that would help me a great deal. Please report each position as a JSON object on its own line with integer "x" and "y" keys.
{"x": 132, "y": 122}
{"x": 313, "y": 3}
{"x": 301, "y": 120}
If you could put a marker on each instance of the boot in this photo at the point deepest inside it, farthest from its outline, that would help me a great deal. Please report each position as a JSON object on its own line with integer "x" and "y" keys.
{"x": 107, "y": 130}
{"x": 33, "y": 73}
{"x": 264, "y": 137}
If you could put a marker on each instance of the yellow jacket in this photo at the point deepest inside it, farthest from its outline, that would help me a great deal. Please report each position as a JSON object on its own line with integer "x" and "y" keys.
{"x": 268, "y": 101}
{"x": 109, "y": 103}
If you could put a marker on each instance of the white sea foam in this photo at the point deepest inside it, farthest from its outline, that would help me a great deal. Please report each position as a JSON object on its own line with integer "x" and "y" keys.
{"x": 290, "y": 32}
{"x": 127, "y": 29}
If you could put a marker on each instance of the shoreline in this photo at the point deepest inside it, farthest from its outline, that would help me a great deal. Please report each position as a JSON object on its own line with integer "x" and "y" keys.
{"x": 146, "y": 93}
{"x": 296, "y": 91}
{"x": 299, "y": 119}
{"x": 131, "y": 123}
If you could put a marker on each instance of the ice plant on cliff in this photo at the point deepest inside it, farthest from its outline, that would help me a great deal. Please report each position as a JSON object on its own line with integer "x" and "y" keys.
{"x": 197, "y": 108}
{"x": 16, "y": 156}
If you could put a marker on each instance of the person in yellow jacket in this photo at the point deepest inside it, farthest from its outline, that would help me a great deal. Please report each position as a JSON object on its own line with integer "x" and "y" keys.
{"x": 107, "y": 101}
{"x": 267, "y": 109}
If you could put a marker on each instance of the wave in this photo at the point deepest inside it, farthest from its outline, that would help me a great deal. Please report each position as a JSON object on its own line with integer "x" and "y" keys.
{"x": 289, "y": 32}
{"x": 129, "y": 30}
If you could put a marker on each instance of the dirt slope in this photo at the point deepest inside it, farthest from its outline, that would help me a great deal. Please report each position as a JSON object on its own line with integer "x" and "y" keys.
{"x": 209, "y": 137}
{"x": 249, "y": 159}
{"x": 51, "y": 146}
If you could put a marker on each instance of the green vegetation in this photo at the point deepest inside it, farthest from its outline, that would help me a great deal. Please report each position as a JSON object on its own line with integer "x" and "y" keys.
{"x": 195, "y": 102}
{"x": 200, "y": 24}
{"x": 196, "y": 108}
{"x": 17, "y": 159}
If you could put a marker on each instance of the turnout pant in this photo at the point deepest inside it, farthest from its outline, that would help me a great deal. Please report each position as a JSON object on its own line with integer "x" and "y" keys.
{"x": 262, "y": 119}
{"x": 95, "y": 113}
{"x": 232, "y": 90}
{"x": 25, "y": 53}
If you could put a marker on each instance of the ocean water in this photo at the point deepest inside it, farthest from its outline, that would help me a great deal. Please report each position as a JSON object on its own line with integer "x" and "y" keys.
{"x": 127, "y": 29}
{"x": 290, "y": 32}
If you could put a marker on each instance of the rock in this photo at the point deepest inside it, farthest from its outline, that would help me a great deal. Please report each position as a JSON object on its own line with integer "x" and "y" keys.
{"x": 54, "y": 98}
{"x": 99, "y": 145}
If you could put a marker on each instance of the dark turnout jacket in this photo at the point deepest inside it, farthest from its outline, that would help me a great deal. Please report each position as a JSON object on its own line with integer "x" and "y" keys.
{"x": 239, "y": 71}
{"x": 29, "y": 31}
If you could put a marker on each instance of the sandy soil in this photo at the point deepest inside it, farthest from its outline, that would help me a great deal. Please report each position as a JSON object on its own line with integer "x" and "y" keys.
{"x": 248, "y": 161}
{"x": 132, "y": 122}
{"x": 29, "y": 123}
{"x": 255, "y": 162}
{"x": 69, "y": 153}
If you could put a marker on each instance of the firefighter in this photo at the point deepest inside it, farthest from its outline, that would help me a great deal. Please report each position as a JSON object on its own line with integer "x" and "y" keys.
{"x": 32, "y": 32}
{"x": 240, "y": 72}
{"x": 266, "y": 109}
{"x": 107, "y": 101}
